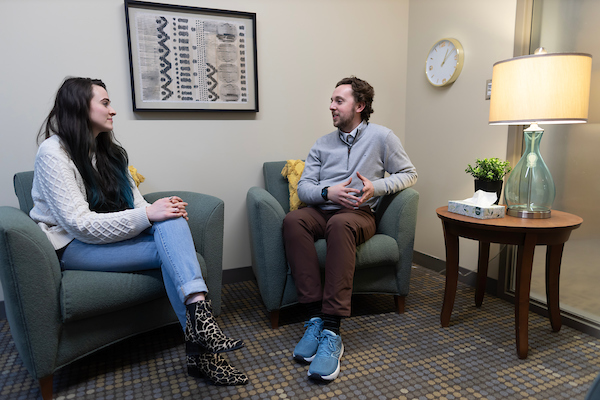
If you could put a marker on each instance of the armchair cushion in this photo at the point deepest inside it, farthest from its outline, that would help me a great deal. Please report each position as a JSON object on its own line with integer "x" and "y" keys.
{"x": 83, "y": 293}
{"x": 380, "y": 250}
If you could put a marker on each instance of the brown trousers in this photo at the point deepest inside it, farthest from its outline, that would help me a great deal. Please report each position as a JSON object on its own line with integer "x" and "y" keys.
{"x": 343, "y": 230}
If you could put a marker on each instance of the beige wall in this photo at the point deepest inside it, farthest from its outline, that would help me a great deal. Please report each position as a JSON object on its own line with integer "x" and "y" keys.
{"x": 304, "y": 48}
{"x": 447, "y": 128}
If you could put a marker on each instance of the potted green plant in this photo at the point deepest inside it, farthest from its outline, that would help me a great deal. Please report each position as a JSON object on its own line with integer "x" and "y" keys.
{"x": 489, "y": 174}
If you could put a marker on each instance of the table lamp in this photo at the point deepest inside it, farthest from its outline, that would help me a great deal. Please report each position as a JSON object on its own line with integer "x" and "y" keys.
{"x": 539, "y": 88}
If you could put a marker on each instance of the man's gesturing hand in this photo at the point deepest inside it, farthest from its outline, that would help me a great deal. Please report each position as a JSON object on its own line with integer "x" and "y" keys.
{"x": 343, "y": 195}
{"x": 368, "y": 190}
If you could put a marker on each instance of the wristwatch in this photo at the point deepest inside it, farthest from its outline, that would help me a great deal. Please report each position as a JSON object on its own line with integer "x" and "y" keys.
{"x": 324, "y": 193}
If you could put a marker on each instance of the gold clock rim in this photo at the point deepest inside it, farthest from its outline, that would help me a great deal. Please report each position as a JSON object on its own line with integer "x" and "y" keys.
{"x": 459, "y": 64}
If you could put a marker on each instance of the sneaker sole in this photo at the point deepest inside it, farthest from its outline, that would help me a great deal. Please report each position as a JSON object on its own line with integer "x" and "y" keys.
{"x": 304, "y": 360}
{"x": 331, "y": 377}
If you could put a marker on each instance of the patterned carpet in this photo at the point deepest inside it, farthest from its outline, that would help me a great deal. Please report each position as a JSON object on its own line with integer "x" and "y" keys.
{"x": 387, "y": 356}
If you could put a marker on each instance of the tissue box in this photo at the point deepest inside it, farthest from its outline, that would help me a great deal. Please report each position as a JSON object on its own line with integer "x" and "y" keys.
{"x": 470, "y": 210}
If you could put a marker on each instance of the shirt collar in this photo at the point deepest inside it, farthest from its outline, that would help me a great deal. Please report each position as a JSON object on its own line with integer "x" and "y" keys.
{"x": 350, "y": 137}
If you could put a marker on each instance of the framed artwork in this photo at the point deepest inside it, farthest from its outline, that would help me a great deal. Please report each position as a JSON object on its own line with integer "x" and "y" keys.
{"x": 191, "y": 59}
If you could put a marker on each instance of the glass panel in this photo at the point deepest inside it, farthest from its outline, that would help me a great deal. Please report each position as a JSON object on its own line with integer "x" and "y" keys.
{"x": 571, "y": 153}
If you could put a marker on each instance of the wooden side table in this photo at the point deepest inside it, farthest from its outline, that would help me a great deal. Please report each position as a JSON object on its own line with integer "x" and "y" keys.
{"x": 526, "y": 234}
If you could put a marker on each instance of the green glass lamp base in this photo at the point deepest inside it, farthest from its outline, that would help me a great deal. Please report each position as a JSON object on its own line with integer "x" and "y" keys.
{"x": 524, "y": 213}
{"x": 530, "y": 191}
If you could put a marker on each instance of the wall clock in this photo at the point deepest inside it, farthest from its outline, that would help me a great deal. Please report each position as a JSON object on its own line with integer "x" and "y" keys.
{"x": 444, "y": 62}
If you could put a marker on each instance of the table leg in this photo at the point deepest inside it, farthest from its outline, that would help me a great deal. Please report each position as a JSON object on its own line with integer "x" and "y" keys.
{"x": 524, "y": 266}
{"x": 553, "y": 260}
{"x": 482, "y": 268}
{"x": 451, "y": 275}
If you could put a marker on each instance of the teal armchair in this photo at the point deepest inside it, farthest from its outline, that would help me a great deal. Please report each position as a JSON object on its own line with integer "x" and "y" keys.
{"x": 57, "y": 317}
{"x": 383, "y": 263}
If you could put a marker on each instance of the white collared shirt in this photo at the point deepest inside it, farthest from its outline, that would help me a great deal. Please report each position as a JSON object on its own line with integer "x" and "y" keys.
{"x": 350, "y": 137}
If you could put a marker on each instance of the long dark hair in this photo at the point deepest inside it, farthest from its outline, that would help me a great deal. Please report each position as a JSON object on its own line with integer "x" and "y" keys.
{"x": 108, "y": 184}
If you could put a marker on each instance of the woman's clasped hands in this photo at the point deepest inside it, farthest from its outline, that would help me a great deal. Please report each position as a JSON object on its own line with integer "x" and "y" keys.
{"x": 167, "y": 208}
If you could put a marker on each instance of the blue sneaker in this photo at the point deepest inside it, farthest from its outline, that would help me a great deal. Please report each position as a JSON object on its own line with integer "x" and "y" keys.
{"x": 326, "y": 363}
{"x": 307, "y": 346}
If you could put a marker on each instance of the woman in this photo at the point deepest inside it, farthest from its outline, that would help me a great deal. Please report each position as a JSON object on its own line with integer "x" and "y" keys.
{"x": 94, "y": 215}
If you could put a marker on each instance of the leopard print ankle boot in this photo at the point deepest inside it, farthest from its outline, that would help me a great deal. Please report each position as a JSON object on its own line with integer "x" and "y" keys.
{"x": 202, "y": 334}
{"x": 216, "y": 368}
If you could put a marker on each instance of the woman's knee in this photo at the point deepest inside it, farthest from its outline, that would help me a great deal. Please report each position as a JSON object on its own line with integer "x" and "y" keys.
{"x": 176, "y": 227}
{"x": 170, "y": 222}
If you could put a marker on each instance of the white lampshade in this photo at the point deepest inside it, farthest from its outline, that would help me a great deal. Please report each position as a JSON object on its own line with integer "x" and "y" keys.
{"x": 542, "y": 88}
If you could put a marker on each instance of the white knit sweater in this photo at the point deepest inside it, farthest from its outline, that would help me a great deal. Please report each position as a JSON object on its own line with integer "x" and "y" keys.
{"x": 60, "y": 204}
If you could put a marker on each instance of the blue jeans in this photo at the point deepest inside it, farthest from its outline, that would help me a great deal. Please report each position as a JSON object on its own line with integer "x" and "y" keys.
{"x": 167, "y": 245}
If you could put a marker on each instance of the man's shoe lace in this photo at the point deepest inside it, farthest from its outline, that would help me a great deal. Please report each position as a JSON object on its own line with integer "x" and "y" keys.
{"x": 327, "y": 346}
{"x": 312, "y": 328}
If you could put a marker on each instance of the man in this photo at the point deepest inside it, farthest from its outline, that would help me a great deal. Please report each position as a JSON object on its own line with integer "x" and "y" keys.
{"x": 343, "y": 179}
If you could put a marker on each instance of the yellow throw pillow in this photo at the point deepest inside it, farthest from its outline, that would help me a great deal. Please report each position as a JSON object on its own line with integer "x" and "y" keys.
{"x": 137, "y": 177}
{"x": 293, "y": 172}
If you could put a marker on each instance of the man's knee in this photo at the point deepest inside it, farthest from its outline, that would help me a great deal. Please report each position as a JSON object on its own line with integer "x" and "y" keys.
{"x": 293, "y": 224}
{"x": 291, "y": 220}
{"x": 338, "y": 223}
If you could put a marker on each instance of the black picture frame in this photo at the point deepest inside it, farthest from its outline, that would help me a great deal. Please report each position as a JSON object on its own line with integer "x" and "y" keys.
{"x": 191, "y": 59}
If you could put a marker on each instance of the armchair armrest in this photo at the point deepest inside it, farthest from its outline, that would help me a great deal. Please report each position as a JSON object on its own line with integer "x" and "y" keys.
{"x": 397, "y": 217}
{"x": 206, "y": 220}
{"x": 30, "y": 275}
{"x": 265, "y": 217}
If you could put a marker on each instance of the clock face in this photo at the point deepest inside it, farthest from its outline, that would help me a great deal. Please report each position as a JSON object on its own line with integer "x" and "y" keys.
{"x": 444, "y": 62}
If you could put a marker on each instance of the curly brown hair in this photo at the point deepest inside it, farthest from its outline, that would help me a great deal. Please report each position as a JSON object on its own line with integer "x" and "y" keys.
{"x": 362, "y": 93}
